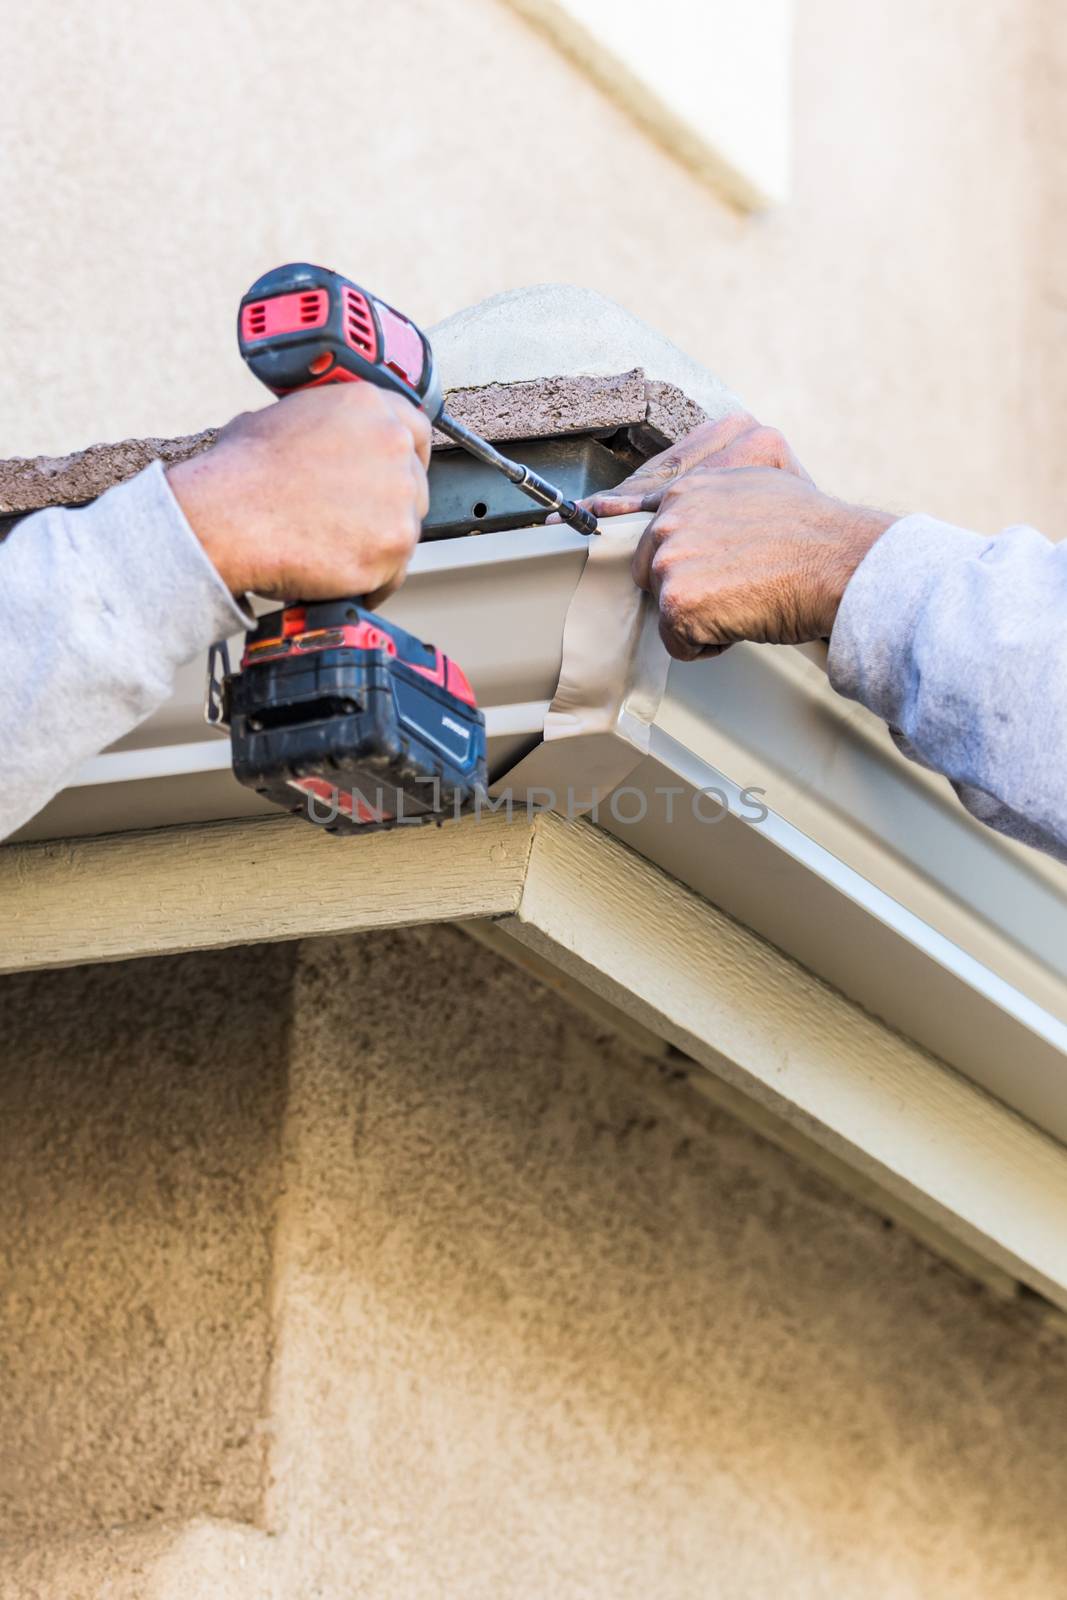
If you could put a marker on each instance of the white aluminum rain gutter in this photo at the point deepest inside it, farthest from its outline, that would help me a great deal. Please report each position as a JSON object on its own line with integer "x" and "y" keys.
{"x": 497, "y": 603}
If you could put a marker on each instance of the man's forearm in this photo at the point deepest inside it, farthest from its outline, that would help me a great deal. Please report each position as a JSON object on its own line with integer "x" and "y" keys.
{"x": 98, "y": 609}
{"x": 960, "y": 643}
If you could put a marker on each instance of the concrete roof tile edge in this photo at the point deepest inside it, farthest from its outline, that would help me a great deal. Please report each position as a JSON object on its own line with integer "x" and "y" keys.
{"x": 522, "y": 410}
{"x": 611, "y": 370}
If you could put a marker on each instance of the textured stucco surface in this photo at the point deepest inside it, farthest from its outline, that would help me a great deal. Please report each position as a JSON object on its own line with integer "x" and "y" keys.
{"x": 460, "y": 1297}
{"x": 139, "y": 1116}
{"x": 542, "y": 1322}
{"x": 900, "y": 316}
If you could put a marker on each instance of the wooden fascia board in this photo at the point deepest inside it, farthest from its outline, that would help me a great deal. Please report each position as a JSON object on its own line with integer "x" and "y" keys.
{"x": 204, "y": 887}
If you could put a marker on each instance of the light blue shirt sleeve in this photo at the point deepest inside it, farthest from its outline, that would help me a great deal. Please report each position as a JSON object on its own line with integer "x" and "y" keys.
{"x": 959, "y": 642}
{"x": 98, "y": 609}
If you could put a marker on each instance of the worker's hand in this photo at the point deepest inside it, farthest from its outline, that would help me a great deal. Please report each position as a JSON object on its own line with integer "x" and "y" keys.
{"x": 734, "y": 441}
{"x": 751, "y": 553}
{"x": 317, "y": 496}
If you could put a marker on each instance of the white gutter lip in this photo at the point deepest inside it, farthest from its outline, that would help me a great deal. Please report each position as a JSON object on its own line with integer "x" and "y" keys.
{"x": 155, "y": 761}
{"x": 891, "y": 913}
{"x": 769, "y": 716}
{"x": 213, "y": 754}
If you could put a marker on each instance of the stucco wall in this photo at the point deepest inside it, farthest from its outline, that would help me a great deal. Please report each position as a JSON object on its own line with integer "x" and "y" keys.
{"x": 899, "y": 316}
{"x": 366, "y": 1267}
{"x": 538, "y": 1322}
{"x": 140, "y": 1107}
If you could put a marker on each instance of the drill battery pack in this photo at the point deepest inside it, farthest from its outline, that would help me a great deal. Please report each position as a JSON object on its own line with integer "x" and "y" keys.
{"x": 350, "y": 721}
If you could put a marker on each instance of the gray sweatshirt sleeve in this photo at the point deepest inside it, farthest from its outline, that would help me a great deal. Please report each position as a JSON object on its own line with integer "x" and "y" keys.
{"x": 959, "y": 642}
{"x": 98, "y": 609}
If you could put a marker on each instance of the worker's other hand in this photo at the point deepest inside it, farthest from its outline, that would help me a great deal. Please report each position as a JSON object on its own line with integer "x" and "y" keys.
{"x": 734, "y": 441}
{"x": 318, "y": 496}
{"x": 751, "y": 553}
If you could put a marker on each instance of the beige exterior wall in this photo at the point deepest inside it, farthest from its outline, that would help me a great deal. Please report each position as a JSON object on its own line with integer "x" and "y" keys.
{"x": 426, "y": 1287}
{"x": 363, "y": 1266}
{"x": 901, "y": 316}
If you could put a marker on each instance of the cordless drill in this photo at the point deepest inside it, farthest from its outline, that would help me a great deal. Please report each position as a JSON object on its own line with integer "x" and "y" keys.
{"x": 336, "y": 712}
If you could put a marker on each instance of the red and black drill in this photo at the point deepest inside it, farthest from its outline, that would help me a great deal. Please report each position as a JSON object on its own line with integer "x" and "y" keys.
{"x": 336, "y": 712}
